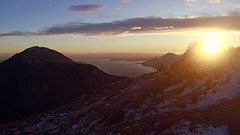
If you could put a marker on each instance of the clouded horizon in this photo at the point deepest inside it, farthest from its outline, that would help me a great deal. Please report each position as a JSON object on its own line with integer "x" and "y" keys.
{"x": 148, "y": 25}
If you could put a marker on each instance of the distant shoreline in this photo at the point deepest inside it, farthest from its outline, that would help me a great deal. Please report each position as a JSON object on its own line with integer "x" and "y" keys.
{"x": 121, "y": 67}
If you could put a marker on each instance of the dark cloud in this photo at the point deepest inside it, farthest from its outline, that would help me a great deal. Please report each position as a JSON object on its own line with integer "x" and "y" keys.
{"x": 87, "y": 8}
{"x": 139, "y": 26}
{"x": 19, "y": 33}
{"x": 102, "y": 16}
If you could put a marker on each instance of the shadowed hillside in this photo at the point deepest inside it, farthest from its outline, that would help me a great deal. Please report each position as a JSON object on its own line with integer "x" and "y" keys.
{"x": 39, "y": 79}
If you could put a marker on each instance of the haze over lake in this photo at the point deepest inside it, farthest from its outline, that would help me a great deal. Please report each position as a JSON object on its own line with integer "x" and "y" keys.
{"x": 119, "y": 67}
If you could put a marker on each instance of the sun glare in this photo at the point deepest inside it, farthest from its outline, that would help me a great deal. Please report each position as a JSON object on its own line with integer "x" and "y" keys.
{"x": 211, "y": 45}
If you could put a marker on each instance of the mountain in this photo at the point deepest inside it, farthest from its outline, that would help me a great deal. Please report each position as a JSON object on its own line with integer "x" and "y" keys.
{"x": 39, "y": 79}
{"x": 171, "y": 102}
{"x": 38, "y": 55}
{"x": 165, "y": 60}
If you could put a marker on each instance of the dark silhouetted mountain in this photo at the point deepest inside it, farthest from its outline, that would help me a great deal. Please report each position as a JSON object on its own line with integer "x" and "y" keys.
{"x": 38, "y": 55}
{"x": 165, "y": 60}
{"x": 155, "y": 103}
{"x": 39, "y": 78}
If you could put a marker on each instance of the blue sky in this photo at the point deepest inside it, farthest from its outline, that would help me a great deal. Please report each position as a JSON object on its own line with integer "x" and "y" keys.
{"x": 32, "y": 18}
{"x": 36, "y": 14}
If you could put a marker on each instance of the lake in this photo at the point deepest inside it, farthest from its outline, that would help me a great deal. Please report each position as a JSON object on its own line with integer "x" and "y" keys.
{"x": 119, "y": 67}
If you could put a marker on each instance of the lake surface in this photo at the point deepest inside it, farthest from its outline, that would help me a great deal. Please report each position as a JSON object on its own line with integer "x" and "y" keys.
{"x": 119, "y": 67}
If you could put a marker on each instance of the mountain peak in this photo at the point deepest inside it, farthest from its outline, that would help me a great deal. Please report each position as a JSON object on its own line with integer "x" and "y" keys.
{"x": 37, "y": 48}
{"x": 166, "y": 60}
{"x": 170, "y": 55}
{"x": 38, "y": 54}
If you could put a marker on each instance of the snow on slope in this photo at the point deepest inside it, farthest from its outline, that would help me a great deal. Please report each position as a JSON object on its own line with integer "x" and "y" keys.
{"x": 201, "y": 129}
{"x": 225, "y": 87}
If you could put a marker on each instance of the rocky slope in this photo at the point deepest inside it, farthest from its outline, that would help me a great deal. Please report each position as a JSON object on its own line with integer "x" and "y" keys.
{"x": 39, "y": 79}
{"x": 155, "y": 103}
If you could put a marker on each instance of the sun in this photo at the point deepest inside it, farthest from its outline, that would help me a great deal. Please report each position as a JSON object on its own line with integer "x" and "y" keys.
{"x": 211, "y": 45}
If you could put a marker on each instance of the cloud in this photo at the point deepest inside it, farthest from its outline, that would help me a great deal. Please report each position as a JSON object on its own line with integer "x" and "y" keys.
{"x": 233, "y": 9}
{"x": 102, "y": 16}
{"x": 139, "y": 26}
{"x": 20, "y": 33}
{"x": 190, "y": 2}
{"x": 186, "y": 17}
{"x": 126, "y": 1}
{"x": 214, "y": 1}
{"x": 166, "y": 27}
{"x": 227, "y": 9}
{"x": 119, "y": 8}
{"x": 136, "y": 28}
{"x": 87, "y": 8}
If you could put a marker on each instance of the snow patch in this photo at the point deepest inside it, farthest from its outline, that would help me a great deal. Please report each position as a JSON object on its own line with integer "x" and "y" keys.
{"x": 173, "y": 87}
{"x": 138, "y": 116}
{"x": 199, "y": 129}
{"x": 162, "y": 104}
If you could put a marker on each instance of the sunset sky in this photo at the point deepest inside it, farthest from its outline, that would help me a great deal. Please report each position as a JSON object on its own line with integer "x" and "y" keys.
{"x": 82, "y": 26}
